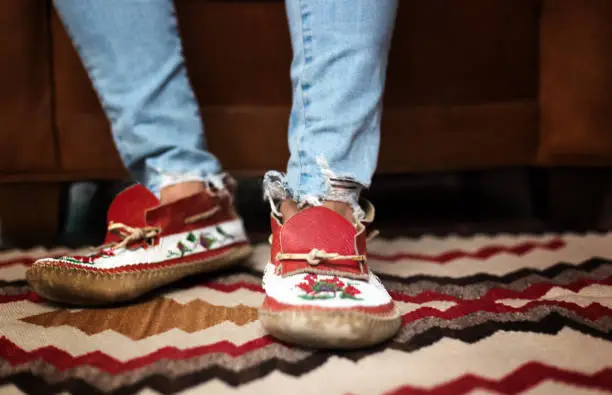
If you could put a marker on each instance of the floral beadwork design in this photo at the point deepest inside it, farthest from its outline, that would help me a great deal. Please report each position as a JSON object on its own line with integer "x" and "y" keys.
{"x": 328, "y": 288}
{"x": 89, "y": 259}
{"x": 205, "y": 239}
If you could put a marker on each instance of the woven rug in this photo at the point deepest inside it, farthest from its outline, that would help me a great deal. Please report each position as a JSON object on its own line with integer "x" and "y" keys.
{"x": 528, "y": 314}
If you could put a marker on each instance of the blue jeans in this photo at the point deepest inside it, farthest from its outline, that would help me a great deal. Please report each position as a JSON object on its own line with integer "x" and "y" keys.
{"x": 133, "y": 54}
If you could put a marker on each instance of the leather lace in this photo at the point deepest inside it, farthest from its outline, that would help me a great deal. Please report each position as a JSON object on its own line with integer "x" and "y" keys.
{"x": 315, "y": 257}
{"x": 130, "y": 234}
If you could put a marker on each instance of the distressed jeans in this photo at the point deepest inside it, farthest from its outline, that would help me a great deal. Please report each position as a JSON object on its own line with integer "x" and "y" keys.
{"x": 132, "y": 52}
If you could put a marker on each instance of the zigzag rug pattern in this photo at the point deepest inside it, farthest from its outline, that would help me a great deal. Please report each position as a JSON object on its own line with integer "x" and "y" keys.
{"x": 504, "y": 314}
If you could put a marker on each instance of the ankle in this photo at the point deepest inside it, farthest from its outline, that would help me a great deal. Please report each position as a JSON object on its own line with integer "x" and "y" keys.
{"x": 289, "y": 208}
{"x": 176, "y": 192}
{"x": 344, "y": 209}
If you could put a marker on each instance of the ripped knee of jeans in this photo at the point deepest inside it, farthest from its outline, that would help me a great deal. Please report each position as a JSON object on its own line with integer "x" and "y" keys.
{"x": 337, "y": 187}
{"x": 275, "y": 190}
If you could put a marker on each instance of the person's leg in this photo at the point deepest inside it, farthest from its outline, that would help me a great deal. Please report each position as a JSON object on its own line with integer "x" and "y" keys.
{"x": 133, "y": 54}
{"x": 340, "y": 51}
{"x": 180, "y": 220}
{"x": 319, "y": 290}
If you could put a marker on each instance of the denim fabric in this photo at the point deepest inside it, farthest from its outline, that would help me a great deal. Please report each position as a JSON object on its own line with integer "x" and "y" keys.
{"x": 133, "y": 54}
{"x": 340, "y": 50}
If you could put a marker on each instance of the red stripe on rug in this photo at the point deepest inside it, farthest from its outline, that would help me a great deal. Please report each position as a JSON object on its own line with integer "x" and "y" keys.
{"x": 592, "y": 312}
{"x": 15, "y": 355}
{"x": 24, "y": 261}
{"x": 523, "y": 378}
{"x": 27, "y": 260}
{"x": 481, "y": 254}
{"x": 31, "y": 296}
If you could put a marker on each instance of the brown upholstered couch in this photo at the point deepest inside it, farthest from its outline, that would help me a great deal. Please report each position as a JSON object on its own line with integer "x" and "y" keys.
{"x": 472, "y": 84}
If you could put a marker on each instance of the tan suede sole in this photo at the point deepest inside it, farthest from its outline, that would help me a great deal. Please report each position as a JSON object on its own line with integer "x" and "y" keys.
{"x": 83, "y": 287}
{"x": 330, "y": 329}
